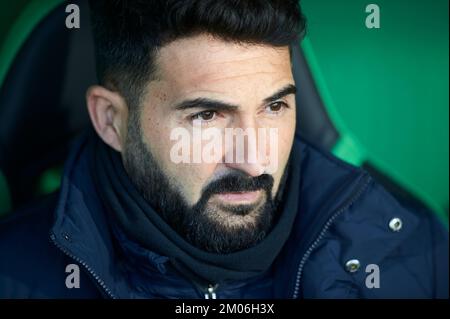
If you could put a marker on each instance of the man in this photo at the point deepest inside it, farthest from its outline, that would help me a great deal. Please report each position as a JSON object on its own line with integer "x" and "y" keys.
{"x": 194, "y": 184}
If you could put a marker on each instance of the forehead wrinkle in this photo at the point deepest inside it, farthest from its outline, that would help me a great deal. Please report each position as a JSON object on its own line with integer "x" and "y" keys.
{"x": 238, "y": 60}
{"x": 217, "y": 70}
{"x": 221, "y": 71}
{"x": 189, "y": 70}
{"x": 231, "y": 77}
{"x": 185, "y": 64}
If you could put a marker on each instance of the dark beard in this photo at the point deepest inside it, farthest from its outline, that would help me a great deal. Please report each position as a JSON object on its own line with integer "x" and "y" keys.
{"x": 201, "y": 225}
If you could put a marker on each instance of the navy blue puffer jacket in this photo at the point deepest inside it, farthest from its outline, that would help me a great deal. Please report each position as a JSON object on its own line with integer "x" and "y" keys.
{"x": 347, "y": 228}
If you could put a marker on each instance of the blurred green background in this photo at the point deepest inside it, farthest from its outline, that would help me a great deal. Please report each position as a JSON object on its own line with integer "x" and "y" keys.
{"x": 9, "y": 12}
{"x": 386, "y": 89}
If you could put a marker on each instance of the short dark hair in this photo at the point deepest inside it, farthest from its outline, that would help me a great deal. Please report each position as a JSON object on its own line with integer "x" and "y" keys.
{"x": 128, "y": 32}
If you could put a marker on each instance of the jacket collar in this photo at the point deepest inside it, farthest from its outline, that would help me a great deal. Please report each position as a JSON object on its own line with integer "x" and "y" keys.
{"x": 80, "y": 228}
{"x": 328, "y": 186}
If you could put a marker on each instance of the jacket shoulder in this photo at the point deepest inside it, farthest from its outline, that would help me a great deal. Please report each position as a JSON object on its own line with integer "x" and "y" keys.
{"x": 27, "y": 226}
{"x": 407, "y": 243}
{"x": 30, "y": 265}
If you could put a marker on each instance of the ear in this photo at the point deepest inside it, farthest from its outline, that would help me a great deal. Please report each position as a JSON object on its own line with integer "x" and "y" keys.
{"x": 109, "y": 114}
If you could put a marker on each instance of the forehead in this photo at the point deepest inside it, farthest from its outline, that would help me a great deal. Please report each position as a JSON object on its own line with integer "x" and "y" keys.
{"x": 205, "y": 63}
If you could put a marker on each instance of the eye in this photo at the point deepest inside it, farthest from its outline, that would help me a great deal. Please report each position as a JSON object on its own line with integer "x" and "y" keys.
{"x": 205, "y": 116}
{"x": 276, "y": 107}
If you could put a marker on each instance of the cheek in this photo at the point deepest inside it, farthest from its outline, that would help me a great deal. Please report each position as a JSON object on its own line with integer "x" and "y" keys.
{"x": 153, "y": 133}
{"x": 189, "y": 179}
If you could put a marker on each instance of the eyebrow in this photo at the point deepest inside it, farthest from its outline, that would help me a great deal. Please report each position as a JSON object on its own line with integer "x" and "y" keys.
{"x": 206, "y": 103}
{"x": 216, "y": 105}
{"x": 288, "y": 89}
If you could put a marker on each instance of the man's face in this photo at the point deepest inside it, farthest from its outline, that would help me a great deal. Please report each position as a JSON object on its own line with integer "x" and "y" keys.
{"x": 204, "y": 83}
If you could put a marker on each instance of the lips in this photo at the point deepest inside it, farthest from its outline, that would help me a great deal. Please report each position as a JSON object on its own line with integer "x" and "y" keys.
{"x": 239, "y": 197}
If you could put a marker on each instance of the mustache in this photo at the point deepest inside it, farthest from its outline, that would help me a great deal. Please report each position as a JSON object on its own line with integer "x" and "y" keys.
{"x": 238, "y": 181}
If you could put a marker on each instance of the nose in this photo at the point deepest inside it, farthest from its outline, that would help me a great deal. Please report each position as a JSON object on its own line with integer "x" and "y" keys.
{"x": 246, "y": 148}
{"x": 250, "y": 169}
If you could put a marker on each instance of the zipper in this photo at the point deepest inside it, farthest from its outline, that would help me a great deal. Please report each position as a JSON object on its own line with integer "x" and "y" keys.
{"x": 100, "y": 282}
{"x": 211, "y": 292}
{"x": 324, "y": 230}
